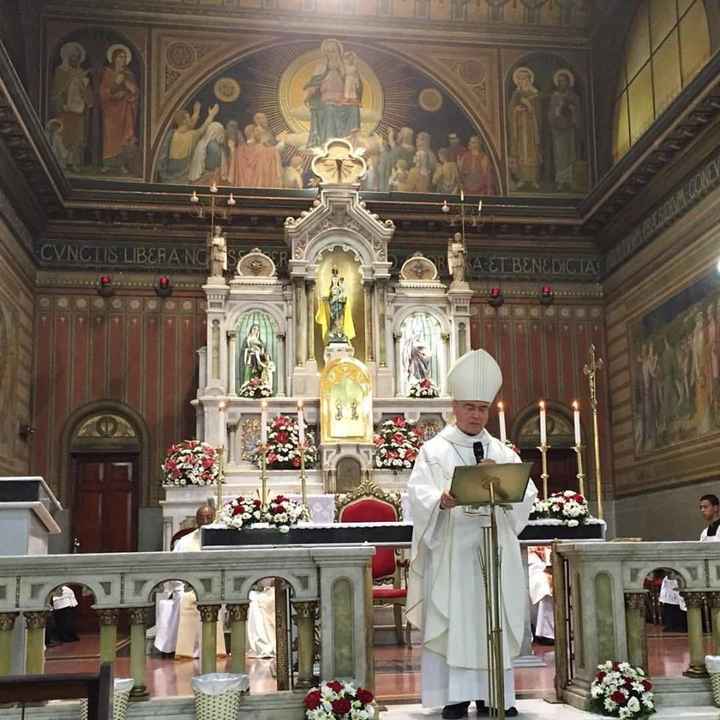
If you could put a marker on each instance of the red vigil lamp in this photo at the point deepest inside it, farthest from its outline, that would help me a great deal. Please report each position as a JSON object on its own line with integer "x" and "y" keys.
{"x": 105, "y": 286}
{"x": 163, "y": 287}
{"x": 496, "y": 297}
{"x": 547, "y": 295}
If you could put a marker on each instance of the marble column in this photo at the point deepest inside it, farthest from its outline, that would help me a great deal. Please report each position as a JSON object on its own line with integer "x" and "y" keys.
{"x": 208, "y": 651}
{"x": 382, "y": 330}
{"x": 238, "y": 615}
{"x": 300, "y": 329}
{"x": 7, "y": 625}
{"x": 367, "y": 303}
{"x": 310, "y": 302}
{"x": 399, "y": 370}
{"x": 695, "y": 602}
{"x": 35, "y": 653}
{"x": 108, "y": 620}
{"x": 231, "y": 444}
{"x": 635, "y": 606}
{"x": 282, "y": 651}
{"x": 713, "y": 599}
{"x": 305, "y": 618}
{"x": 215, "y": 349}
{"x": 138, "y": 621}
{"x": 281, "y": 373}
{"x": 232, "y": 365}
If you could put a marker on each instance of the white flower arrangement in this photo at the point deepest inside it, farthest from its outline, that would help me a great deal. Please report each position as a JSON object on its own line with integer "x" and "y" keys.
{"x": 282, "y": 513}
{"x": 337, "y": 700}
{"x": 622, "y": 691}
{"x": 569, "y": 508}
{"x": 396, "y": 445}
{"x": 424, "y": 389}
{"x": 255, "y": 387}
{"x": 241, "y": 512}
{"x": 190, "y": 462}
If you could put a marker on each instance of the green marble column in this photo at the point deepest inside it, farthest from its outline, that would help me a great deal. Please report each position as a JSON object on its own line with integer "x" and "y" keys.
{"x": 35, "y": 651}
{"x": 343, "y": 616}
{"x": 305, "y": 618}
{"x": 695, "y": 601}
{"x": 238, "y": 615}
{"x": 208, "y": 652}
{"x": 138, "y": 620}
{"x": 108, "y": 620}
{"x": 713, "y": 599}
{"x": 635, "y": 604}
{"x": 7, "y": 625}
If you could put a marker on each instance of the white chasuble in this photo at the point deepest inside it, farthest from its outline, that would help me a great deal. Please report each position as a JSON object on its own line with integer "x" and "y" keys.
{"x": 446, "y": 596}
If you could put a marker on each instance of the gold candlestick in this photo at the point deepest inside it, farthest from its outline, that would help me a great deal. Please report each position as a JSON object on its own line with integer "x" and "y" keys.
{"x": 220, "y": 479}
{"x": 591, "y": 369}
{"x": 263, "y": 474}
{"x": 303, "y": 480}
{"x": 543, "y": 448}
{"x": 580, "y": 475}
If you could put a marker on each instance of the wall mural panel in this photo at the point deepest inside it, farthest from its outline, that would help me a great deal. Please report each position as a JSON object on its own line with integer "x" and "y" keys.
{"x": 676, "y": 369}
{"x": 95, "y": 102}
{"x": 259, "y": 123}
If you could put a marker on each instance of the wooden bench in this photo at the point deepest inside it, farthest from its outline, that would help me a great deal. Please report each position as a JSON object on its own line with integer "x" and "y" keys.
{"x": 98, "y": 689}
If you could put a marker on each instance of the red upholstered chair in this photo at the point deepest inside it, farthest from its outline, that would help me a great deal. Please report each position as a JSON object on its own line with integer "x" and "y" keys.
{"x": 369, "y": 504}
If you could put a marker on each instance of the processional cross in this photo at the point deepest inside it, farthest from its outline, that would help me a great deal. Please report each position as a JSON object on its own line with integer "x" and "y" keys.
{"x": 591, "y": 370}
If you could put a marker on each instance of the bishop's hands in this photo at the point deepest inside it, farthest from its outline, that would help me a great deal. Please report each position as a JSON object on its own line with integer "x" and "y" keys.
{"x": 447, "y": 501}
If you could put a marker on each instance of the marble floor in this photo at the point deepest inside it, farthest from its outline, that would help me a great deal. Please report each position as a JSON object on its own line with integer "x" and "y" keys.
{"x": 397, "y": 668}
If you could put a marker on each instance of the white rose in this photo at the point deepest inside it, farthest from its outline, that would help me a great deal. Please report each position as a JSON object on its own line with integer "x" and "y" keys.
{"x": 633, "y": 705}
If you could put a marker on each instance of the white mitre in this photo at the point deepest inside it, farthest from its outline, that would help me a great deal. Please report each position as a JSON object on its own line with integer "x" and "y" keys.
{"x": 476, "y": 377}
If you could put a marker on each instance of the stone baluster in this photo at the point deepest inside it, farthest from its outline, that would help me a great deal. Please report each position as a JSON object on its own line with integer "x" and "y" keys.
{"x": 713, "y": 599}
{"x": 238, "y": 615}
{"x": 138, "y": 621}
{"x": 305, "y": 618}
{"x": 695, "y": 602}
{"x": 232, "y": 365}
{"x": 35, "y": 622}
{"x": 208, "y": 651}
{"x": 635, "y": 606}
{"x": 7, "y": 625}
{"x": 108, "y": 619}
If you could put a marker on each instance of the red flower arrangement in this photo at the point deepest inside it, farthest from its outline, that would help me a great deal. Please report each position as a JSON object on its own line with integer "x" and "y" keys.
{"x": 397, "y": 444}
{"x": 190, "y": 462}
{"x": 335, "y": 700}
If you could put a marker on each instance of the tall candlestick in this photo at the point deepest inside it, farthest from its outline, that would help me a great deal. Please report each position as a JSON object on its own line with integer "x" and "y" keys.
{"x": 543, "y": 424}
{"x": 576, "y": 419}
{"x": 501, "y": 417}
{"x": 263, "y": 422}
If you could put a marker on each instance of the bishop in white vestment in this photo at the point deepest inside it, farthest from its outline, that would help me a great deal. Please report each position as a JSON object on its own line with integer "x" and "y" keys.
{"x": 446, "y": 597}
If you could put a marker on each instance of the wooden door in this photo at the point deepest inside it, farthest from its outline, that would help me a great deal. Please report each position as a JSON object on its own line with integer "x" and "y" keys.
{"x": 105, "y": 504}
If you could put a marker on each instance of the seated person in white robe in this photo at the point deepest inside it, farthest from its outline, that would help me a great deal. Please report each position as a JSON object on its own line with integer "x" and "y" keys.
{"x": 541, "y": 595}
{"x": 178, "y": 620}
{"x": 446, "y": 597}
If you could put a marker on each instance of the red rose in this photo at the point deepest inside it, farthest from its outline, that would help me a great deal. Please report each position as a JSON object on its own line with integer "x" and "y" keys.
{"x": 399, "y": 438}
{"x": 618, "y": 697}
{"x": 335, "y": 686}
{"x": 616, "y": 666}
{"x": 296, "y": 462}
{"x": 600, "y": 676}
{"x": 400, "y": 421}
{"x": 393, "y": 454}
{"x": 647, "y": 685}
{"x": 282, "y": 437}
{"x": 341, "y": 707}
{"x": 628, "y": 684}
{"x": 313, "y": 700}
{"x": 364, "y": 696}
{"x": 272, "y": 458}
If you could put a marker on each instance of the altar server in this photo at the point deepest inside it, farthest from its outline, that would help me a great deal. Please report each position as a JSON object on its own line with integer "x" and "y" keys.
{"x": 541, "y": 595}
{"x": 710, "y": 509}
{"x": 446, "y": 597}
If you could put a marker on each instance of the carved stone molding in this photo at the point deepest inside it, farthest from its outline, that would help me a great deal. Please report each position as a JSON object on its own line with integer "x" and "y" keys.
{"x": 238, "y": 612}
{"x": 108, "y": 616}
{"x": 7, "y": 621}
{"x": 36, "y": 620}
{"x": 139, "y": 615}
{"x": 208, "y": 613}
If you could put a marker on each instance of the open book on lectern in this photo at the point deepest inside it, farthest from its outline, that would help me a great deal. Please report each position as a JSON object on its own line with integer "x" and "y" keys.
{"x": 471, "y": 483}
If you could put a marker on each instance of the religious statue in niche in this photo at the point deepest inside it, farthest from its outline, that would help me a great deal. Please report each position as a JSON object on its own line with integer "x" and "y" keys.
{"x": 417, "y": 357}
{"x": 257, "y": 362}
{"x": 218, "y": 253}
{"x": 456, "y": 258}
{"x": 334, "y": 314}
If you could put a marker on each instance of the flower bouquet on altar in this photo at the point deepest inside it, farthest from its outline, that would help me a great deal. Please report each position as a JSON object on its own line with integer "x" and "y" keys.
{"x": 396, "y": 445}
{"x": 241, "y": 512}
{"x": 621, "y": 690}
{"x": 282, "y": 513}
{"x": 424, "y": 389}
{"x": 563, "y": 508}
{"x": 336, "y": 700}
{"x": 283, "y": 445}
{"x": 255, "y": 387}
{"x": 190, "y": 462}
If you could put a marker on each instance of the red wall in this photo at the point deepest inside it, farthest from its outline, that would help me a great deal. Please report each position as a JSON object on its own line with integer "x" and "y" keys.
{"x": 137, "y": 349}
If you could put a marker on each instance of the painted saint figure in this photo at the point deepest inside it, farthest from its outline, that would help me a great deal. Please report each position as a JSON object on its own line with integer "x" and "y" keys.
{"x": 525, "y": 130}
{"x": 119, "y": 100}
{"x": 565, "y": 118}
{"x": 334, "y": 314}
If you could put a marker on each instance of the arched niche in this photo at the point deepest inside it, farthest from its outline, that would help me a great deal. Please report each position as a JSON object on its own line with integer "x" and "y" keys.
{"x": 346, "y": 402}
{"x": 421, "y": 348}
{"x": 348, "y": 474}
{"x": 258, "y": 348}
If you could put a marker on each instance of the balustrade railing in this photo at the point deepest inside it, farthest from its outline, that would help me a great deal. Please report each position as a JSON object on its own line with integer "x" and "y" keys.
{"x": 331, "y": 584}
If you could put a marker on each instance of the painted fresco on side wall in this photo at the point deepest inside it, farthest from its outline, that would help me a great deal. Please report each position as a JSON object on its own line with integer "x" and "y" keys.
{"x": 546, "y": 126}
{"x": 95, "y": 104}
{"x": 259, "y": 123}
{"x": 675, "y": 354}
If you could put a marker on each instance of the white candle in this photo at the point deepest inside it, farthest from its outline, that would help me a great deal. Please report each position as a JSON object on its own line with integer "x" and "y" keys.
{"x": 301, "y": 423}
{"x": 543, "y": 424}
{"x": 501, "y": 416}
{"x": 576, "y": 418}
{"x": 263, "y": 422}
{"x": 462, "y": 196}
